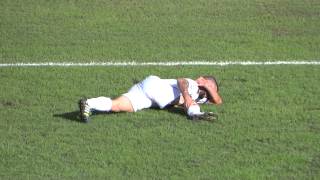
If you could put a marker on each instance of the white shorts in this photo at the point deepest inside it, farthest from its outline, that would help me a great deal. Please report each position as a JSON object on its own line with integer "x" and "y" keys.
{"x": 151, "y": 92}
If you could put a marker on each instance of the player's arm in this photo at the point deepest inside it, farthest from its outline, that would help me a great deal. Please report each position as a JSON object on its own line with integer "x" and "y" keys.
{"x": 215, "y": 95}
{"x": 183, "y": 86}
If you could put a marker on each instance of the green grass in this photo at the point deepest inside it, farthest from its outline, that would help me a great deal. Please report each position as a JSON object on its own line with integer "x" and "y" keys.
{"x": 268, "y": 126}
{"x": 146, "y": 30}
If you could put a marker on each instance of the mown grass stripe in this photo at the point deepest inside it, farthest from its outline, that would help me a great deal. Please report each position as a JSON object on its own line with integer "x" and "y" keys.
{"x": 172, "y": 63}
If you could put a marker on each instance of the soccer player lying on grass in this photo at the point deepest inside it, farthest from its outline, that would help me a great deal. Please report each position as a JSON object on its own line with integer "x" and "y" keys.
{"x": 159, "y": 93}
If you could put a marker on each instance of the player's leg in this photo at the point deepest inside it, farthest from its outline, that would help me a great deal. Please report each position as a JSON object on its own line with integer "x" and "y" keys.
{"x": 104, "y": 104}
{"x": 93, "y": 104}
{"x": 132, "y": 101}
{"x": 121, "y": 104}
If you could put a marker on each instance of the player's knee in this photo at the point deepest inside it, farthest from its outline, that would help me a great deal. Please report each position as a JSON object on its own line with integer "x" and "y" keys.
{"x": 121, "y": 105}
{"x": 115, "y": 107}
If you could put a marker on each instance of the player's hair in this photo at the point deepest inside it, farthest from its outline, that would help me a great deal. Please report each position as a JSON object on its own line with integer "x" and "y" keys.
{"x": 213, "y": 79}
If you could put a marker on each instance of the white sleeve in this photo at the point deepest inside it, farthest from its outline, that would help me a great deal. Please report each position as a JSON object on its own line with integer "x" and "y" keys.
{"x": 172, "y": 82}
{"x": 193, "y": 89}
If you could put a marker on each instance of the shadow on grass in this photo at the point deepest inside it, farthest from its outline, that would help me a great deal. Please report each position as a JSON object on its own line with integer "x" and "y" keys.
{"x": 209, "y": 117}
{"x": 176, "y": 110}
{"x": 75, "y": 116}
{"x": 72, "y": 116}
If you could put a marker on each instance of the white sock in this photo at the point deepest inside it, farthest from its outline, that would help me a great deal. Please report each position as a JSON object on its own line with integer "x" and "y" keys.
{"x": 100, "y": 104}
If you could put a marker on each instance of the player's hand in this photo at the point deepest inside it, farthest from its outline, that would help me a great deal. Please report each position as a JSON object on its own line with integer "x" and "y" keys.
{"x": 188, "y": 103}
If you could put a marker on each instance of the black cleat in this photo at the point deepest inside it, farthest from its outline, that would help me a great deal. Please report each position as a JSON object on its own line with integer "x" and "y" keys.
{"x": 207, "y": 116}
{"x": 85, "y": 110}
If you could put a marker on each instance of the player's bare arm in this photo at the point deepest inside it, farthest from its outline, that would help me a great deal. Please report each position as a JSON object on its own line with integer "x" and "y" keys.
{"x": 212, "y": 88}
{"x": 214, "y": 93}
{"x": 183, "y": 86}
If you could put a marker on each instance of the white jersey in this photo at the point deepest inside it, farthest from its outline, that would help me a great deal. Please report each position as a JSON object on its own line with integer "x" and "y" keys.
{"x": 193, "y": 88}
{"x": 156, "y": 92}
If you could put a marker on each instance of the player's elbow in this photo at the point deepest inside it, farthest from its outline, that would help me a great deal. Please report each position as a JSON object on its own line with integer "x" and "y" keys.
{"x": 219, "y": 102}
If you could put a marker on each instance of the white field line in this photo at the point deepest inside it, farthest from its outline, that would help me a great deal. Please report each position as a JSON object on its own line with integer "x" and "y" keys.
{"x": 172, "y": 63}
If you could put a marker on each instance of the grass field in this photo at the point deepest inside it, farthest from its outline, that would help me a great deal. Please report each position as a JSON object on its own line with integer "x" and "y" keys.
{"x": 268, "y": 126}
{"x": 148, "y": 30}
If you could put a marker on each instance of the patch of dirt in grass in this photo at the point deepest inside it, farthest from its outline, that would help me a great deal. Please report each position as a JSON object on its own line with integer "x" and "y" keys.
{"x": 7, "y": 103}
